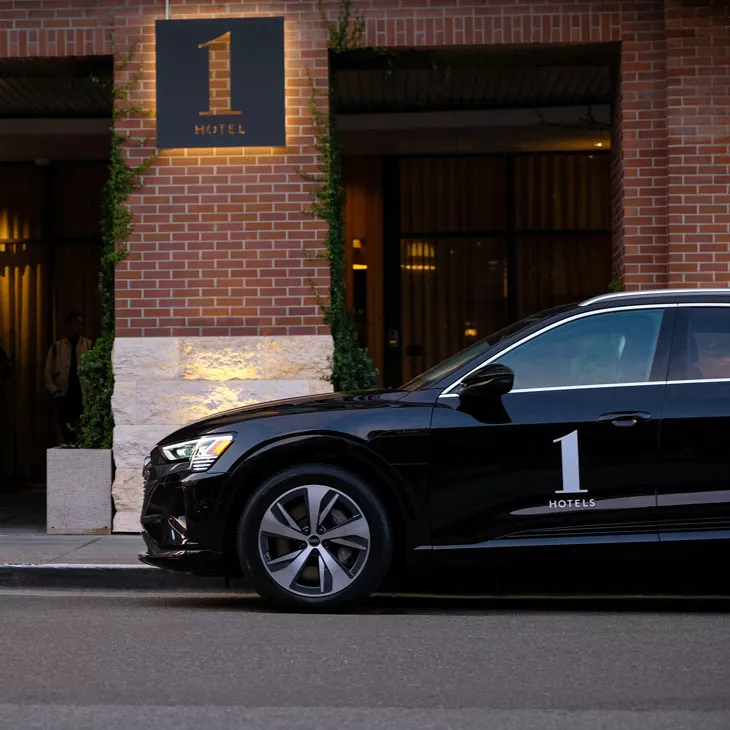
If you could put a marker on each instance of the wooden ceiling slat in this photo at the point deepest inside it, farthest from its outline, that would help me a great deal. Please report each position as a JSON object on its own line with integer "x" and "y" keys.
{"x": 403, "y": 90}
{"x": 473, "y": 78}
{"x": 54, "y": 87}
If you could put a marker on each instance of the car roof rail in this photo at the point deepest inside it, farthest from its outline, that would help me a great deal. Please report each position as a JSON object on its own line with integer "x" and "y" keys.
{"x": 651, "y": 293}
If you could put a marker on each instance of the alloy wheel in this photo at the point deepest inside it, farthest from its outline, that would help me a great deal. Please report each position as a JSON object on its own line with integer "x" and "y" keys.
{"x": 314, "y": 541}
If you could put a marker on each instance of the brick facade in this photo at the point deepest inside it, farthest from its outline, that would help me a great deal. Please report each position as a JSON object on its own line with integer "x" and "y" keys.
{"x": 698, "y": 136}
{"x": 222, "y": 242}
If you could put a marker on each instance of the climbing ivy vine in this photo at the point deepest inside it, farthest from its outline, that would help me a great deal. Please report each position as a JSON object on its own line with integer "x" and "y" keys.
{"x": 95, "y": 368}
{"x": 352, "y": 368}
{"x": 616, "y": 284}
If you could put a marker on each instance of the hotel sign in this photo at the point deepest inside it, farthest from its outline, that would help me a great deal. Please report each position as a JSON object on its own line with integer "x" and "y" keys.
{"x": 220, "y": 83}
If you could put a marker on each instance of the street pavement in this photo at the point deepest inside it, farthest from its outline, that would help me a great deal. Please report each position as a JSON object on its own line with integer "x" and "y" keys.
{"x": 101, "y": 659}
{"x": 32, "y": 559}
{"x": 37, "y": 548}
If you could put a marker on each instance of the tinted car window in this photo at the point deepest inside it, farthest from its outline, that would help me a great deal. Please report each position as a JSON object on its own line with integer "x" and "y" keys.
{"x": 701, "y": 344}
{"x": 461, "y": 358}
{"x": 602, "y": 349}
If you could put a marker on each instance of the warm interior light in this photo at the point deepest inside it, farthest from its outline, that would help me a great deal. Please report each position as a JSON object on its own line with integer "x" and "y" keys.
{"x": 420, "y": 256}
{"x": 358, "y": 258}
{"x": 598, "y": 144}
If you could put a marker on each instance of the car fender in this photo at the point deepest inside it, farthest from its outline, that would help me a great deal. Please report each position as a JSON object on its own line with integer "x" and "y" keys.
{"x": 405, "y": 501}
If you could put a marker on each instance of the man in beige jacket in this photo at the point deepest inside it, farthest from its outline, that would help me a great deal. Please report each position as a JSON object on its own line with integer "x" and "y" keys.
{"x": 62, "y": 377}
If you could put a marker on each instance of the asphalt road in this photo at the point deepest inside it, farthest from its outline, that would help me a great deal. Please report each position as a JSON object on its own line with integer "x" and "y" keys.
{"x": 74, "y": 660}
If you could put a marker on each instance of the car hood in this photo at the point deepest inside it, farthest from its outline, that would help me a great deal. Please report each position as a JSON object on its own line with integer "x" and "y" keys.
{"x": 304, "y": 404}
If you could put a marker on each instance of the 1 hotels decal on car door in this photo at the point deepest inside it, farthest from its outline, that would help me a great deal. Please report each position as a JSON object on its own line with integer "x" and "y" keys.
{"x": 571, "y": 475}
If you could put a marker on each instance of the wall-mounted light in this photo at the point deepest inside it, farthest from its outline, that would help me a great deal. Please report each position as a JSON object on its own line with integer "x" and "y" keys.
{"x": 358, "y": 258}
{"x": 470, "y": 330}
{"x": 598, "y": 144}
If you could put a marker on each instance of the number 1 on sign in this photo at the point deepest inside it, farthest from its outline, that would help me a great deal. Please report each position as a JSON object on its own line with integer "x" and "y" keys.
{"x": 219, "y": 96}
{"x": 571, "y": 468}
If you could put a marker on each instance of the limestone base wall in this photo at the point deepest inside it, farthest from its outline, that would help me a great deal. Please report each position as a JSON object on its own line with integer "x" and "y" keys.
{"x": 162, "y": 383}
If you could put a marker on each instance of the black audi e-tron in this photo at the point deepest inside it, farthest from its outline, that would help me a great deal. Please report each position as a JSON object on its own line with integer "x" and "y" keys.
{"x": 599, "y": 426}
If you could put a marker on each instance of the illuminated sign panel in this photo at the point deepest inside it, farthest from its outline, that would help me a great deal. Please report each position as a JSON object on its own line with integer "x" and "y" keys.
{"x": 220, "y": 83}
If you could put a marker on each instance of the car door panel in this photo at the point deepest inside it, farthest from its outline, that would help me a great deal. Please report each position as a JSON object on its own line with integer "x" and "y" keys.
{"x": 563, "y": 465}
{"x": 694, "y": 497}
{"x": 512, "y": 489}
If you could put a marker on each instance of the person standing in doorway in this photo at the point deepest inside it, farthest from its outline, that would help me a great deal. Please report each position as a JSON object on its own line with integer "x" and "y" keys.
{"x": 62, "y": 378}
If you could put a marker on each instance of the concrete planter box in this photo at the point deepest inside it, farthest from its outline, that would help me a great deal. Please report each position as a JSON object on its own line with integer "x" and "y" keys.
{"x": 79, "y": 497}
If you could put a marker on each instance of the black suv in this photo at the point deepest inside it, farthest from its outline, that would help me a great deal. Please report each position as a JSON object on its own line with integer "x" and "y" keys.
{"x": 602, "y": 426}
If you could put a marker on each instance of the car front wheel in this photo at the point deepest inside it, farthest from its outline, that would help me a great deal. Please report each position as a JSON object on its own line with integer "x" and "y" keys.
{"x": 314, "y": 537}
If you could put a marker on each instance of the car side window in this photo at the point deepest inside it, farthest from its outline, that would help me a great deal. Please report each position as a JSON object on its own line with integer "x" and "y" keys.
{"x": 601, "y": 349}
{"x": 701, "y": 349}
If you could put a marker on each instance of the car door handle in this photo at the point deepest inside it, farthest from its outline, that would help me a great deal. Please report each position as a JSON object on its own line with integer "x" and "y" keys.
{"x": 624, "y": 419}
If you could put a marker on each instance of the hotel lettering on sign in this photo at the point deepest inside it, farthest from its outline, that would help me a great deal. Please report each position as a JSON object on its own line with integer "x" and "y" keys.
{"x": 220, "y": 83}
{"x": 211, "y": 129}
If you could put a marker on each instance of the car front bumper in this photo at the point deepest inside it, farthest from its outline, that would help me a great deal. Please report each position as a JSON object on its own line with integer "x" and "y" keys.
{"x": 183, "y": 519}
{"x": 192, "y": 561}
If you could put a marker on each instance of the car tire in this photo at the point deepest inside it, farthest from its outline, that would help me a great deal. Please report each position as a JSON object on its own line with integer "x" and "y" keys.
{"x": 332, "y": 564}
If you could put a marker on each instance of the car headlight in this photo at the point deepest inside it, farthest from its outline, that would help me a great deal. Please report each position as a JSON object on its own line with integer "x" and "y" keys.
{"x": 202, "y": 452}
{"x": 179, "y": 452}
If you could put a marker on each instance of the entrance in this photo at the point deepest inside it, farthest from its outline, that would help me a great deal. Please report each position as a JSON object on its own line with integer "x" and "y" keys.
{"x": 54, "y": 146}
{"x": 484, "y": 241}
{"x": 464, "y": 215}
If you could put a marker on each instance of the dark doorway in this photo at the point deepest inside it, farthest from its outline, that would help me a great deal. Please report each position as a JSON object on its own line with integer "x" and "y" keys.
{"x": 478, "y": 186}
{"x": 54, "y": 146}
{"x": 478, "y": 242}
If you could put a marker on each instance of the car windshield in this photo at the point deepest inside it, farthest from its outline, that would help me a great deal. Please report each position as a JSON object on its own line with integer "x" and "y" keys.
{"x": 457, "y": 361}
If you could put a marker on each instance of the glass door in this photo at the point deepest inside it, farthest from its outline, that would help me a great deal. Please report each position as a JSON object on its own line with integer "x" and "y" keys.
{"x": 471, "y": 244}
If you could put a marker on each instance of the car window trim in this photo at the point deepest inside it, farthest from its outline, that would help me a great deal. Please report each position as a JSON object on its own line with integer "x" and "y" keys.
{"x": 702, "y": 304}
{"x": 697, "y": 381}
{"x": 446, "y": 392}
{"x": 586, "y": 387}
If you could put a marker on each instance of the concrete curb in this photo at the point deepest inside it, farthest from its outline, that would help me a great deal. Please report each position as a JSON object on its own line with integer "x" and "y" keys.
{"x": 133, "y": 577}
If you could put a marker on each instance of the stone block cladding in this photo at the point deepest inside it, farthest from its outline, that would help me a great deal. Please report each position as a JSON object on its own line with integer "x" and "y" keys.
{"x": 163, "y": 383}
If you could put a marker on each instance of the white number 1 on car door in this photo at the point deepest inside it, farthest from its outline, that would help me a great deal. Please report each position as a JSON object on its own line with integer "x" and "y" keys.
{"x": 571, "y": 468}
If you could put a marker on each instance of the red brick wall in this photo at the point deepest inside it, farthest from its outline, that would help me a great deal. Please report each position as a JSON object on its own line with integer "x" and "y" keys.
{"x": 643, "y": 145}
{"x": 221, "y": 240}
{"x": 223, "y": 244}
{"x": 698, "y": 106}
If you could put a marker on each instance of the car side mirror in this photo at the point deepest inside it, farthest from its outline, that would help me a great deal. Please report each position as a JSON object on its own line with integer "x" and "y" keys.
{"x": 491, "y": 380}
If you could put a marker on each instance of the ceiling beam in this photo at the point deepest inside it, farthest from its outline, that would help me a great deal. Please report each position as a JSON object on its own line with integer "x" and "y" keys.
{"x": 560, "y": 116}
{"x": 50, "y": 127}
{"x": 71, "y": 67}
{"x": 493, "y": 56}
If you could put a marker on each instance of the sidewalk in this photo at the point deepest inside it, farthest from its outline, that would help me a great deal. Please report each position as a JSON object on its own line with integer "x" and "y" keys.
{"x": 32, "y": 559}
